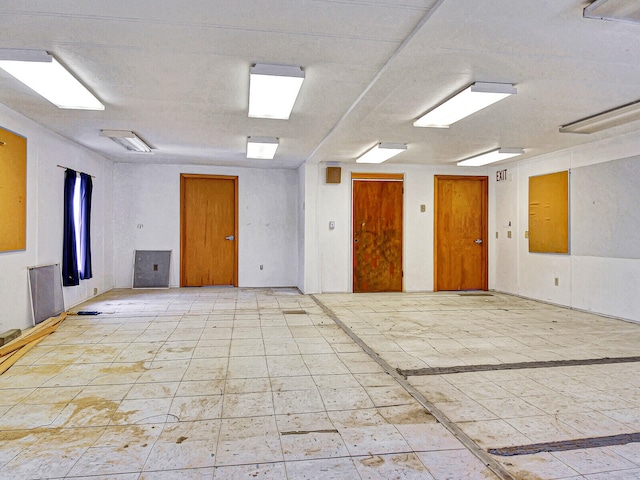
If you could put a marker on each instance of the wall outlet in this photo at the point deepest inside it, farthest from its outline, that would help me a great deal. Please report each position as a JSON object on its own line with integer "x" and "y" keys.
{"x": 556, "y": 281}
{"x": 526, "y": 234}
{"x": 423, "y": 208}
{"x": 508, "y": 233}
{"x": 496, "y": 234}
{"x": 261, "y": 267}
{"x": 95, "y": 291}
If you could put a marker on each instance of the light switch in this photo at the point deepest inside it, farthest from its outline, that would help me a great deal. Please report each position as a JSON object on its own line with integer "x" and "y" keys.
{"x": 332, "y": 225}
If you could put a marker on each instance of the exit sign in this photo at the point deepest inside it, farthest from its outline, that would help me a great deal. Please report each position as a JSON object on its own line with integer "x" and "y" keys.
{"x": 501, "y": 175}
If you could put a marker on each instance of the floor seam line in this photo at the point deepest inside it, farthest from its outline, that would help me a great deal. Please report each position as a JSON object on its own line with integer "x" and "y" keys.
{"x": 514, "y": 366}
{"x": 466, "y": 441}
{"x": 567, "y": 445}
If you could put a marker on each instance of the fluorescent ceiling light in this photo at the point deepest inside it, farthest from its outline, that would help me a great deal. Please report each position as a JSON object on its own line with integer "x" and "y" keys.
{"x": 273, "y": 90}
{"x": 382, "y": 152}
{"x": 602, "y": 121}
{"x": 128, "y": 140}
{"x": 491, "y": 157}
{"x": 42, "y": 73}
{"x": 627, "y": 11}
{"x": 470, "y": 100}
{"x": 262, "y": 147}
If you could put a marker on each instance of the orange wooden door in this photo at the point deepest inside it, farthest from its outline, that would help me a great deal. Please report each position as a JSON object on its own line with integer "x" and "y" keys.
{"x": 209, "y": 234}
{"x": 461, "y": 233}
{"x": 377, "y": 236}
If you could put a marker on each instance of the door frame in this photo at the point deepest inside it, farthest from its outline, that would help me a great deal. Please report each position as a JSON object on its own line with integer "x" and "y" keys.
{"x": 485, "y": 225}
{"x": 390, "y": 177}
{"x": 184, "y": 177}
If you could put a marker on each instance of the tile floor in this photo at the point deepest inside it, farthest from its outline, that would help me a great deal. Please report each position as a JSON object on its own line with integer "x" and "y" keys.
{"x": 506, "y": 408}
{"x": 222, "y": 383}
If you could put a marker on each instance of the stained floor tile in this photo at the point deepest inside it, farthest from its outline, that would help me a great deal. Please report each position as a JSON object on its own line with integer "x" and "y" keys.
{"x": 262, "y": 383}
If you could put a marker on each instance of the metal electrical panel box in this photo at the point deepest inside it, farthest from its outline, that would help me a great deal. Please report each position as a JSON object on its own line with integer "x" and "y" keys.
{"x": 151, "y": 269}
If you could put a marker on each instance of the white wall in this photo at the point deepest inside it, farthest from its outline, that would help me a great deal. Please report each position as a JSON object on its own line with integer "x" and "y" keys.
{"x": 147, "y": 217}
{"x": 310, "y": 272}
{"x": 45, "y": 185}
{"x": 301, "y": 224}
{"x": 334, "y": 252}
{"x": 284, "y": 225}
{"x": 603, "y": 285}
{"x": 503, "y": 270}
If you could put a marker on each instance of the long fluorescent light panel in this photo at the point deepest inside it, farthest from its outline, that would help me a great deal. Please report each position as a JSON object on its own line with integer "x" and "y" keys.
{"x": 627, "y": 11}
{"x": 382, "y": 152}
{"x": 470, "y": 100}
{"x": 491, "y": 157}
{"x": 128, "y": 140}
{"x": 42, "y": 73}
{"x": 273, "y": 90}
{"x": 262, "y": 147}
{"x": 602, "y": 121}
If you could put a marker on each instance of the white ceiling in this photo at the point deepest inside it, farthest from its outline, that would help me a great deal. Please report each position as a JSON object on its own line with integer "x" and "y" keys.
{"x": 177, "y": 74}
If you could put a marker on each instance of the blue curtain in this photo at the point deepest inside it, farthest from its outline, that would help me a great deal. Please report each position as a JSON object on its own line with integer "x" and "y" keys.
{"x": 86, "y": 188}
{"x": 70, "y": 275}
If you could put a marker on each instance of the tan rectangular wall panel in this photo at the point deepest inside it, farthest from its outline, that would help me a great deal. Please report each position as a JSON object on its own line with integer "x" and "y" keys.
{"x": 13, "y": 191}
{"x": 549, "y": 213}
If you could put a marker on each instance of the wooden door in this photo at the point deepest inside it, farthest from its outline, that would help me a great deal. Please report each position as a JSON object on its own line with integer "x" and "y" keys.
{"x": 461, "y": 233}
{"x": 377, "y": 235}
{"x": 209, "y": 233}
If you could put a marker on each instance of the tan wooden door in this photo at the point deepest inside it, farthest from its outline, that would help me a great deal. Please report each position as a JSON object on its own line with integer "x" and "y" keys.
{"x": 377, "y": 236}
{"x": 460, "y": 233}
{"x": 209, "y": 234}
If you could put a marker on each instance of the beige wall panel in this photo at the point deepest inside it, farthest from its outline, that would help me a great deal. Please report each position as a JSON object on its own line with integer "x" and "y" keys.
{"x": 13, "y": 191}
{"x": 549, "y": 213}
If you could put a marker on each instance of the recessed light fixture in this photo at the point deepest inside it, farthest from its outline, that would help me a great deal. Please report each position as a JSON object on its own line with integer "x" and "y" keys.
{"x": 627, "y": 11}
{"x": 42, "y": 73}
{"x": 273, "y": 90}
{"x": 601, "y": 121}
{"x": 128, "y": 140}
{"x": 491, "y": 157}
{"x": 382, "y": 152}
{"x": 470, "y": 100}
{"x": 262, "y": 147}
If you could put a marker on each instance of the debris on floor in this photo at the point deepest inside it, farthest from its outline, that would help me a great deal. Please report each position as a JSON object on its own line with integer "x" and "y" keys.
{"x": 9, "y": 335}
{"x": 19, "y": 346}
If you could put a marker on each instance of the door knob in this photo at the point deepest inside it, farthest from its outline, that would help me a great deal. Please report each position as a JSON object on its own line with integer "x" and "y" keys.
{"x": 478, "y": 241}
{"x": 230, "y": 237}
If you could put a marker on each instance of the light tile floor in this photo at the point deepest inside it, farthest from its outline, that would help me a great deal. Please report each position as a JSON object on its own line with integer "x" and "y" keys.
{"x": 222, "y": 383}
{"x": 513, "y": 407}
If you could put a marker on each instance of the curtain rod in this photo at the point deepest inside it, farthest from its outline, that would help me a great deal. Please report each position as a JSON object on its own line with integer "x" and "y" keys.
{"x": 68, "y": 168}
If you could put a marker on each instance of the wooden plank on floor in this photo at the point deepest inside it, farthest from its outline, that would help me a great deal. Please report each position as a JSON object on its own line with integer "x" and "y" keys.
{"x": 45, "y": 328}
